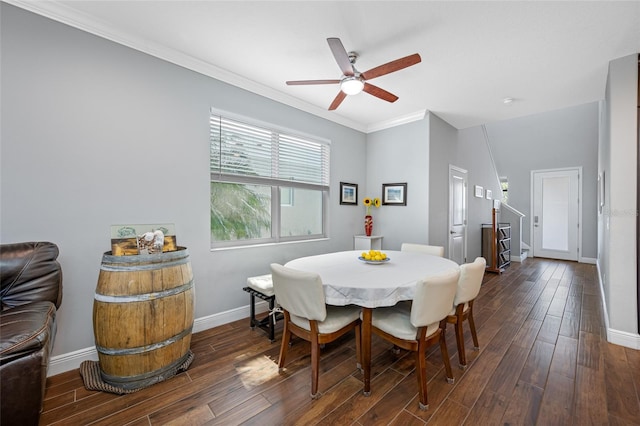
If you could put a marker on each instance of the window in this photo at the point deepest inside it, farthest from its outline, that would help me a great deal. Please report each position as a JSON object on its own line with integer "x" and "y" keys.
{"x": 504, "y": 183}
{"x": 267, "y": 185}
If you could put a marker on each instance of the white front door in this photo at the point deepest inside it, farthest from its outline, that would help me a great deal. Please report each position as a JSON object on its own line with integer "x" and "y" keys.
{"x": 556, "y": 209}
{"x": 457, "y": 215}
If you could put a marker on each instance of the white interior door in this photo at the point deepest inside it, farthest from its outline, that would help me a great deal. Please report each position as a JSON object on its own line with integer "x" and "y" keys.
{"x": 457, "y": 215}
{"x": 556, "y": 208}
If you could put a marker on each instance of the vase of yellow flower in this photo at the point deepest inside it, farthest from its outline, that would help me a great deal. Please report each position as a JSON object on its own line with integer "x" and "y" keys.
{"x": 368, "y": 219}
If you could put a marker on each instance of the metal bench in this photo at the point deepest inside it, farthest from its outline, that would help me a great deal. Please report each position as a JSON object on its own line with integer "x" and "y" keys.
{"x": 262, "y": 287}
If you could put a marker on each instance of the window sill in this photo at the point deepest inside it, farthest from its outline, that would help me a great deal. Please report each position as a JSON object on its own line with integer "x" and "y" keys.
{"x": 251, "y": 246}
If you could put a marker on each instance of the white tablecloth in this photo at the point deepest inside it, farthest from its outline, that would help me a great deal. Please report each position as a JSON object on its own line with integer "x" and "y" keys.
{"x": 349, "y": 281}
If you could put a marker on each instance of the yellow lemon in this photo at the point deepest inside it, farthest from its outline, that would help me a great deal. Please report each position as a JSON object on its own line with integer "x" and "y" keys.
{"x": 363, "y": 254}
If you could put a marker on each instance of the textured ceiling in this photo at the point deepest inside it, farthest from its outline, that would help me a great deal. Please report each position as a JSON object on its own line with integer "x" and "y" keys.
{"x": 544, "y": 55}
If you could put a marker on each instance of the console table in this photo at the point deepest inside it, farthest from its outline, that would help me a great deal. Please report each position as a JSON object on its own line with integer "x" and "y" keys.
{"x": 362, "y": 242}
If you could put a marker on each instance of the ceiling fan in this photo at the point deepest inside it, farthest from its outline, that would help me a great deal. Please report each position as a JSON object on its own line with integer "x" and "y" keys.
{"x": 354, "y": 81}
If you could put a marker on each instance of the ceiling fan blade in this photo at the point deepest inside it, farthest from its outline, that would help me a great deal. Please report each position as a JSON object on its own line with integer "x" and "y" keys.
{"x": 392, "y": 66}
{"x": 379, "y": 93}
{"x": 337, "y": 101}
{"x": 303, "y": 82}
{"x": 341, "y": 55}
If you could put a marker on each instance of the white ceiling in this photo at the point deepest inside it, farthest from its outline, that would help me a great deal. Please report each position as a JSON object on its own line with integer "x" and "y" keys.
{"x": 544, "y": 55}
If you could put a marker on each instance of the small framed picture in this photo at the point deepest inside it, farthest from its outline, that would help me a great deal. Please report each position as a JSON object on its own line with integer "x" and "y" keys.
{"x": 349, "y": 193}
{"x": 488, "y": 194}
{"x": 394, "y": 194}
{"x": 479, "y": 191}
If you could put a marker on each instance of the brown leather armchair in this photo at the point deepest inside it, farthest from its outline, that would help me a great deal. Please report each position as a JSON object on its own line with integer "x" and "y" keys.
{"x": 31, "y": 293}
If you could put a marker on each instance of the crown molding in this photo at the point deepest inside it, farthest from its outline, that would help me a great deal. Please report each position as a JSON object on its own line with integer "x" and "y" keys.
{"x": 408, "y": 118}
{"x": 66, "y": 15}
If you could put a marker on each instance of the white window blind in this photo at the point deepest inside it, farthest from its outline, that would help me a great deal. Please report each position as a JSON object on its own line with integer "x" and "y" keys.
{"x": 241, "y": 149}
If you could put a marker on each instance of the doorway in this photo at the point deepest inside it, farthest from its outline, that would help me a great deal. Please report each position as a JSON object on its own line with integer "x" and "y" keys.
{"x": 556, "y": 206}
{"x": 457, "y": 214}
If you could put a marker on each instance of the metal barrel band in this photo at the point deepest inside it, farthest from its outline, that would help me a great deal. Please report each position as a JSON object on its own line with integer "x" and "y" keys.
{"x": 144, "y": 296}
{"x": 146, "y": 348}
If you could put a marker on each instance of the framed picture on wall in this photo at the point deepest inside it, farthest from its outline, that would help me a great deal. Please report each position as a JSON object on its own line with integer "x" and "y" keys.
{"x": 478, "y": 191}
{"x": 488, "y": 194}
{"x": 349, "y": 193}
{"x": 394, "y": 194}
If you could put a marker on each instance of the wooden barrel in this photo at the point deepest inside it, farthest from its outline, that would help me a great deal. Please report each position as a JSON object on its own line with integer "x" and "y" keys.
{"x": 143, "y": 317}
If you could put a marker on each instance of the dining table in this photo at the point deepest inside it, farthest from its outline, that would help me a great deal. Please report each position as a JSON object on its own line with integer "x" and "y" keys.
{"x": 349, "y": 279}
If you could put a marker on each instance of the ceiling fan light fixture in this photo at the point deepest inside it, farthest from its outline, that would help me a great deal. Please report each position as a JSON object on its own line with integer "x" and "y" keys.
{"x": 353, "y": 81}
{"x": 352, "y": 85}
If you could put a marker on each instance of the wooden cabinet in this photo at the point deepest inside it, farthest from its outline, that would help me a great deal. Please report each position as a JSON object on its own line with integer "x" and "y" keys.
{"x": 500, "y": 250}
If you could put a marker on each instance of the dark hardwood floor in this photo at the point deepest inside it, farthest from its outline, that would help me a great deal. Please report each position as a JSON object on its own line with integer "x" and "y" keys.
{"x": 543, "y": 360}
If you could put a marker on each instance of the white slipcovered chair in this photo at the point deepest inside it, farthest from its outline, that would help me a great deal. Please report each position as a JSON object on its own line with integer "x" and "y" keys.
{"x": 419, "y": 327}
{"x": 471, "y": 275}
{"x": 434, "y": 250}
{"x": 301, "y": 297}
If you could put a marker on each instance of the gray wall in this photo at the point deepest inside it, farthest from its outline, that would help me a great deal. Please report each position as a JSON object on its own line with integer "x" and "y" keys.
{"x": 397, "y": 155}
{"x": 420, "y": 153}
{"x": 474, "y": 155}
{"x": 466, "y": 149}
{"x": 556, "y": 139}
{"x": 94, "y": 134}
{"x": 617, "y": 255}
{"x": 442, "y": 153}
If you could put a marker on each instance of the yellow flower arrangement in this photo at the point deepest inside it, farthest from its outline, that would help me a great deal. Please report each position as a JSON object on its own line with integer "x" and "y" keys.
{"x": 368, "y": 202}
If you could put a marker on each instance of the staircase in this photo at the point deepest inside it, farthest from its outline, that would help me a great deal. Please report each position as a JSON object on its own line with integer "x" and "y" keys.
{"x": 514, "y": 217}
{"x": 524, "y": 250}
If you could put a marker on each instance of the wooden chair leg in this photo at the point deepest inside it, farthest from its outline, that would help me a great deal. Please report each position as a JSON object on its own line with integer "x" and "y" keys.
{"x": 358, "y": 349}
{"x": 462, "y": 359}
{"x": 284, "y": 347}
{"x": 315, "y": 365}
{"x": 472, "y": 326}
{"x": 421, "y": 372}
{"x": 445, "y": 357}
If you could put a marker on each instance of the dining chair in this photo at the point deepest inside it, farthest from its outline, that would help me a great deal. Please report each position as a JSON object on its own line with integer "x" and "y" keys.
{"x": 434, "y": 250}
{"x": 301, "y": 298}
{"x": 419, "y": 327}
{"x": 467, "y": 290}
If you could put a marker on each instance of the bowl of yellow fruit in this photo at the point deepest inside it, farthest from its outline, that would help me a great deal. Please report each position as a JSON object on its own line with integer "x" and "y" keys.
{"x": 373, "y": 257}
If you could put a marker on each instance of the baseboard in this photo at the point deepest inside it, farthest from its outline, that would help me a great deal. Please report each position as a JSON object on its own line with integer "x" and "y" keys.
{"x": 72, "y": 360}
{"x": 215, "y": 320}
{"x": 623, "y": 338}
{"x": 617, "y": 337}
{"x": 520, "y": 258}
